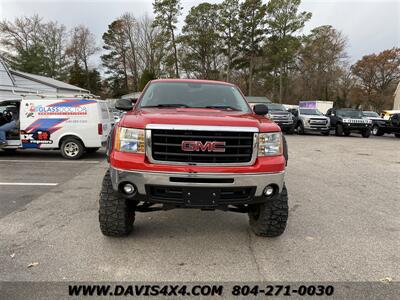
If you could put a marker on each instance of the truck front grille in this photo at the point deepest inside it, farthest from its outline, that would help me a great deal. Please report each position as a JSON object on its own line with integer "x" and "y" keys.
{"x": 166, "y": 146}
{"x": 318, "y": 121}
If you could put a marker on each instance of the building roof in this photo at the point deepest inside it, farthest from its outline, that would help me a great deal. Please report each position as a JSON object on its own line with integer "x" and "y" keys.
{"x": 6, "y": 79}
{"x": 49, "y": 81}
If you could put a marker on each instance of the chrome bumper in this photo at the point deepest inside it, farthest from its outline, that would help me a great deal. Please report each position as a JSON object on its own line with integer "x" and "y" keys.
{"x": 142, "y": 178}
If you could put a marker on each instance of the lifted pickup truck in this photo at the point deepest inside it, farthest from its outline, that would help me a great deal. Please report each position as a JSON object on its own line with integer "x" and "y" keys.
{"x": 382, "y": 126}
{"x": 194, "y": 144}
{"x": 310, "y": 119}
{"x": 281, "y": 116}
{"x": 347, "y": 120}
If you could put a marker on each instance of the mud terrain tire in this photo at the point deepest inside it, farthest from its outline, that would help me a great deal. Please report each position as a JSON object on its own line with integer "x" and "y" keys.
{"x": 116, "y": 213}
{"x": 269, "y": 219}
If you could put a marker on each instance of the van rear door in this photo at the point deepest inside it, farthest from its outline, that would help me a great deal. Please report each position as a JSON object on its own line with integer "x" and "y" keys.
{"x": 105, "y": 120}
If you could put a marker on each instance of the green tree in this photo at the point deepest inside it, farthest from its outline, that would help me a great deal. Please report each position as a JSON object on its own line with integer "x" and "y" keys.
{"x": 35, "y": 46}
{"x": 30, "y": 60}
{"x": 166, "y": 16}
{"x": 79, "y": 77}
{"x": 284, "y": 20}
{"x": 200, "y": 41}
{"x": 115, "y": 60}
{"x": 252, "y": 21}
{"x": 81, "y": 47}
{"x": 147, "y": 75}
{"x": 131, "y": 30}
{"x": 320, "y": 63}
{"x": 228, "y": 27}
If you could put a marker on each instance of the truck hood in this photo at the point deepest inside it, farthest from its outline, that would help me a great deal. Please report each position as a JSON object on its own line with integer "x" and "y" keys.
{"x": 196, "y": 116}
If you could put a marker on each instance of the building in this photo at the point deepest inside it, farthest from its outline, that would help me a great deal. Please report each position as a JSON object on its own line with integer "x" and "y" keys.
{"x": 396, "y": 104}
{"x": 13, "y": 84}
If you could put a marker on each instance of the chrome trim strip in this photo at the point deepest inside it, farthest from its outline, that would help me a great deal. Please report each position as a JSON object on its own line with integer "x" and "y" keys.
{"x": 148, "y": 144}
{"x": 220, "y": 174}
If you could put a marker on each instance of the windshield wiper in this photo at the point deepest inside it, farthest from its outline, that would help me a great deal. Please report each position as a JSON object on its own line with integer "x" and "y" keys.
{"x": 221, "y": 107}
{"x": 167, "y": 105}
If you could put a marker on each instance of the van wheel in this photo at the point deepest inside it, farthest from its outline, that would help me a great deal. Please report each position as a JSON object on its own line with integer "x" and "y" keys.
{"x": 72, "y": 148}
{"x": 269, "y": 219}
{"x": 92, "y": 150}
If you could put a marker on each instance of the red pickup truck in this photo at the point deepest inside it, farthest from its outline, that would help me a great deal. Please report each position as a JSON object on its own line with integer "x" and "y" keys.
{"x": 194, "y": 144}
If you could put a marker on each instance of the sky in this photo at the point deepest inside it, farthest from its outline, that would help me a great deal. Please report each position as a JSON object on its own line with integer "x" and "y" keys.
{"x": 369, "y": 25}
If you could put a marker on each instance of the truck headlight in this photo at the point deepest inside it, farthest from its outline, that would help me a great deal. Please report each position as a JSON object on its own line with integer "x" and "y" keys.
{"x": 270, "y": 144}
{"x": 129, "y": 140}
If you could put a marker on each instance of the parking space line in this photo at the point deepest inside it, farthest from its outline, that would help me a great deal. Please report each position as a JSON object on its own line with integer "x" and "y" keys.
{"x": 49, "y": 161}
{"x": 29, "y": 183}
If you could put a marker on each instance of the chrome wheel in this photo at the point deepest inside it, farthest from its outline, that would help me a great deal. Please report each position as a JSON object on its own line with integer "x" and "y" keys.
{"x": 71, "y": 149}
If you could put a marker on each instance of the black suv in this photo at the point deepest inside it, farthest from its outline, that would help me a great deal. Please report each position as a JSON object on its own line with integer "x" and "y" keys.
{"x": 281, "y": 116}
{"x": 347, "y": 120}
{"x": 380, "y": 127}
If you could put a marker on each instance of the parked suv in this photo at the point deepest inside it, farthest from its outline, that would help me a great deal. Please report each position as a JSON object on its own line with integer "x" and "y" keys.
{"x": 281, "y": 116}
{"x": 311, "y": 119}
{"x": 347, "y": 120}
{"x": 380, "y": 127}
{"x": 194, "y": 144}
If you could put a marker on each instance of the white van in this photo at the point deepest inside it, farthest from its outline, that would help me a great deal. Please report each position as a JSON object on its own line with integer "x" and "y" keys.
{"x": 73, "y": 125}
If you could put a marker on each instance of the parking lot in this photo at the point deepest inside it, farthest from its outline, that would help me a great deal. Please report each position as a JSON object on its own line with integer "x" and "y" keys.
{"x": 344, "y": 222}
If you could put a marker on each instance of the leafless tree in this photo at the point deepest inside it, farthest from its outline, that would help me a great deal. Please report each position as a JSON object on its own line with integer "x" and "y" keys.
{"x": 81, "y": 47}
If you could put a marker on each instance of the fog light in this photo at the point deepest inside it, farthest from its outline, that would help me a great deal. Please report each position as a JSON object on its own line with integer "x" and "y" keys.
{"x": 128, "y": 188}
{"x": 269, "y": 191}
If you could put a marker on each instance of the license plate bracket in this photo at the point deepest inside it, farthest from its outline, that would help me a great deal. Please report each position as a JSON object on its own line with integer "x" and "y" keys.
{"x": 201, "y": 197}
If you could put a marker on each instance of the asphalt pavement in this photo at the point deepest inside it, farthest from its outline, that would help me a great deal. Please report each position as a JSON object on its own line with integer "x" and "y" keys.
{"x": 344, "y": 223}
{"x": 28, "y": 174}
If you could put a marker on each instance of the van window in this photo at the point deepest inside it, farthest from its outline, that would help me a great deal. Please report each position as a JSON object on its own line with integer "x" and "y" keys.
{"x": 104, "y": 111}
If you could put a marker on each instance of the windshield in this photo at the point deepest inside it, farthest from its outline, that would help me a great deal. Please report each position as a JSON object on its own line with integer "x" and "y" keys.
{"x": 310, "y": 111}
{"x": 349, "y": 113}
{"x": 194, "y": 95}
{"x": 370, "y": 114}
{"x": 275, "y": 106}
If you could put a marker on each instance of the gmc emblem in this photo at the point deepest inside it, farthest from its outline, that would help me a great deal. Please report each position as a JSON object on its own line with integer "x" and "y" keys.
{"x": 190, "y": 146}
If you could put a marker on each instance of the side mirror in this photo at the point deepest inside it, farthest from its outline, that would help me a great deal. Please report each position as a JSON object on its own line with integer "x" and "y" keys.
{"x": 134, "y": 100}
{"x": 260, "y": 109}
{"x": 124, "y": 104}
